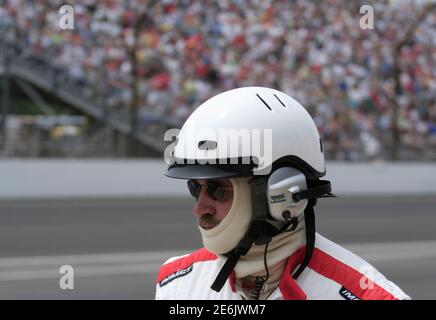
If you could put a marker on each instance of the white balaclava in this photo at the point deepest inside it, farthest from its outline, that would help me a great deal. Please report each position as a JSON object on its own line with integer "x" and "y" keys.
{"x": 226, "y": 235}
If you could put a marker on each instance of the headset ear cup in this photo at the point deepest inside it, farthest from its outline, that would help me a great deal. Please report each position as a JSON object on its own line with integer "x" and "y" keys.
{"x": 281, "y": 185}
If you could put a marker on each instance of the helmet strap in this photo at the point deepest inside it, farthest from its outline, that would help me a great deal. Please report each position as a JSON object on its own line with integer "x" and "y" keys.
{"x": 309, "y": 219}
{"x": 318, "y": 189}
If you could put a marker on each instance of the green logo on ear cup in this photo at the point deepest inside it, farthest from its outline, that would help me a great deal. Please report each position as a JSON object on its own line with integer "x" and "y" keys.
{"x": 278, "y": 198}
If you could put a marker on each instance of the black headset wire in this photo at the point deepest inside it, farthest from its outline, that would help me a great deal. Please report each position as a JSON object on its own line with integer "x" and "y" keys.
{"x": 260, "y": 281}
{"x": 264, "y": 260}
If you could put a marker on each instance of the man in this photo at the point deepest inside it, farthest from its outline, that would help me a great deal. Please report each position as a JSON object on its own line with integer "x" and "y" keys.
{"x": 254, "y": 207}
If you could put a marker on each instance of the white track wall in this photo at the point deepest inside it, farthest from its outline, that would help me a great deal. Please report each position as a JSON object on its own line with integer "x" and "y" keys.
{"x": 144, "y": 178}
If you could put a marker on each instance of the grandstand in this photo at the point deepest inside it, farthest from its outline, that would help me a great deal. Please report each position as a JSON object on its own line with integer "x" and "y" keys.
{"x": 141, "y": 67}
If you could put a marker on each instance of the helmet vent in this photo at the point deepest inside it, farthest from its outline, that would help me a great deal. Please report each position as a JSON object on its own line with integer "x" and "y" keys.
{"x": 207, "y": 145}
{"x": 279, "y": 100}
{"x": 263, "y": 102}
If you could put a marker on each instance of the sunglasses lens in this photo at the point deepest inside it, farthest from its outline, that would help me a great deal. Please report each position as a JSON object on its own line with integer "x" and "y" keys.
{"x": 215, "y": 190}
{"x": 194, "y": 188}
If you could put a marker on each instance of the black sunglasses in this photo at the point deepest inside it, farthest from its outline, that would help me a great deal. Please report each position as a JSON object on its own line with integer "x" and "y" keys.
{"x": 214, "y": 189}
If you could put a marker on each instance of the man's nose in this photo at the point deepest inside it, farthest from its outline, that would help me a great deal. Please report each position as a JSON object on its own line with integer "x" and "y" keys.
{"x": 204, "y": 205}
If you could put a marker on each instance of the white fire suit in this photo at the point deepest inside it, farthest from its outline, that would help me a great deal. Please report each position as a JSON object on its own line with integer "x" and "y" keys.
{"x": 333, "y": 273}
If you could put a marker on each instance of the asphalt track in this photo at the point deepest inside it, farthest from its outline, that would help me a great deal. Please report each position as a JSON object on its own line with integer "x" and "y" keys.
{"x": 117, "y": 246}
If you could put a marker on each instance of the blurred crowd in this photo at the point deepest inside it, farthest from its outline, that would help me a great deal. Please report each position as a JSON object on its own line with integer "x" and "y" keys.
{"x": 187, "y": 51}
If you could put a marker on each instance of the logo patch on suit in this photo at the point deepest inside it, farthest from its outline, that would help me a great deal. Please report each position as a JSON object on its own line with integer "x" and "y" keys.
{"x": 347, "y": 294}
{"x": 175, "y": 275}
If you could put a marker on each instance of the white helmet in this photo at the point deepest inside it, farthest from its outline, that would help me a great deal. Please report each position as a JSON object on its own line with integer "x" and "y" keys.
{"x": 285, "y": 130}
{"x": 264, "y": 134}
